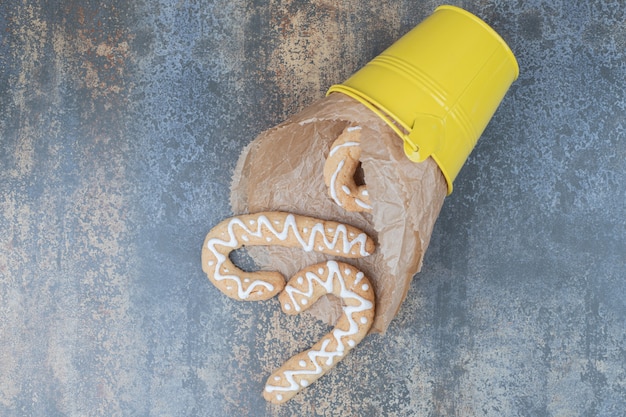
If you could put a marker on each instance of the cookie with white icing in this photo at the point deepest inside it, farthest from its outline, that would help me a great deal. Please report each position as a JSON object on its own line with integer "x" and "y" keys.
{"x": 339, "y": 170}
{"x": 302, "y": 290}
{"x": 273, "y": 228}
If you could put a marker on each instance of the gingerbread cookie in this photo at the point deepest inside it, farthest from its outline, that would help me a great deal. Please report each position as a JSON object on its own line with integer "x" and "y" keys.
{"x": 339, "y": 169}
{"x": 273, "y": 228}
{"x": 306, "y": 287}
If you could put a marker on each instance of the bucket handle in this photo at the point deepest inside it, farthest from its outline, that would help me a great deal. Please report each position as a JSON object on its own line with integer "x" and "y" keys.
{"x": 421, "y": 140}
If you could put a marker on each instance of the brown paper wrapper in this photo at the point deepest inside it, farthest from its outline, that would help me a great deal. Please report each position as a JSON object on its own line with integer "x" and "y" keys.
{"x": 282, "y": 170}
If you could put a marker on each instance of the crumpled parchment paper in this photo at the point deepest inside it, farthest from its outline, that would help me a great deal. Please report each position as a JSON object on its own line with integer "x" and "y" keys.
{"x": 282, "y": 170}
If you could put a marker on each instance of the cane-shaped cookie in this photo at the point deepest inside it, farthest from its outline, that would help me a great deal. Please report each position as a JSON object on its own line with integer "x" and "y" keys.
{"x": 357, "y": 296}
{"x": 339, "y": 169}
{"x": 273, "y": 228}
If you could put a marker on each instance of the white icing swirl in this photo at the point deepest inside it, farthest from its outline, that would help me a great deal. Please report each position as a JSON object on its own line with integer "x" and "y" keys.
{"x": 333, "y": 179}
{"x": 363, "y": 204}
{"x": 290, "y": 228}
{"x": 336, "y": 148}
{"x": 357, "y": 304}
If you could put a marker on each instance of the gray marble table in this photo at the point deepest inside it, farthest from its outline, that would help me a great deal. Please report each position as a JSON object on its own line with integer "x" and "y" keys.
{"x": 120, "y": 125}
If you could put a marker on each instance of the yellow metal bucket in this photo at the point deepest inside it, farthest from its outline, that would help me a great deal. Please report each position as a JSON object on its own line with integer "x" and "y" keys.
{"x": 438, "y": 86}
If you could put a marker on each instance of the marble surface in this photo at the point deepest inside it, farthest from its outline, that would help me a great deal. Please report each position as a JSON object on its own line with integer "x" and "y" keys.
{"x": 120, "y": 125}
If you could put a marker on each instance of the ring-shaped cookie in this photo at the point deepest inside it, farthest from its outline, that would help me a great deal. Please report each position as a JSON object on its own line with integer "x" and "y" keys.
{"x": 302, "y": 290}
{"x": 273, "y": 228}
{"x": 339, "y": 169}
